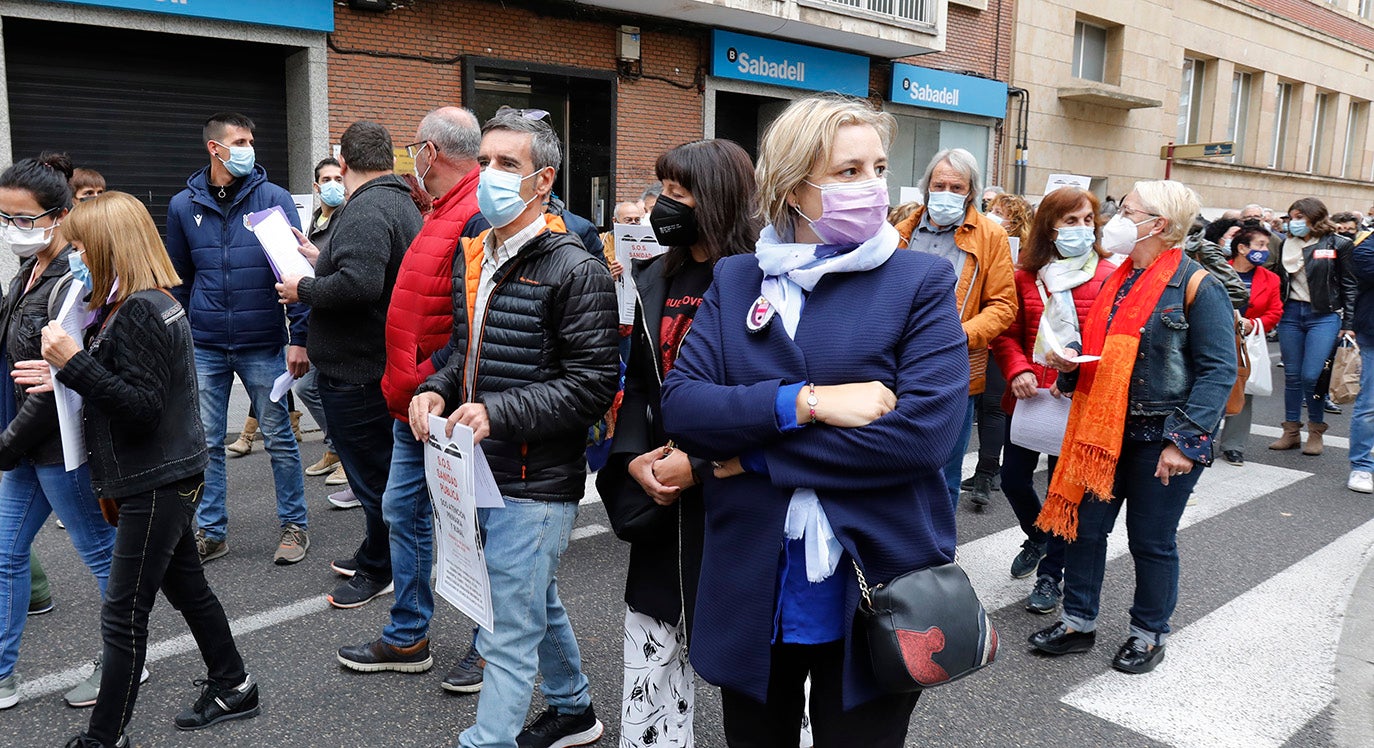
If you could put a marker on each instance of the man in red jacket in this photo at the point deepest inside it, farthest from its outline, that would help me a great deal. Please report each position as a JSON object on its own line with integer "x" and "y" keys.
{"x": 418, "y": 323}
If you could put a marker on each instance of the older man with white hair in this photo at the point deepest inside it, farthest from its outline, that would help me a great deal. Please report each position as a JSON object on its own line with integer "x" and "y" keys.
{"x": 950, "y": 226}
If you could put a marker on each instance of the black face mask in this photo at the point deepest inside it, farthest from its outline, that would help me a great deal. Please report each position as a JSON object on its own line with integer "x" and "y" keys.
{"x": 1347, "y": 234}
{"x": 1251, "y": 223}
{"x": 674, "y": 224}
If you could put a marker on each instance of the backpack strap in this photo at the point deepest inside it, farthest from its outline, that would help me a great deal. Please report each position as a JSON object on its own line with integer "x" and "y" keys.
{"x": 1190, "y": 292}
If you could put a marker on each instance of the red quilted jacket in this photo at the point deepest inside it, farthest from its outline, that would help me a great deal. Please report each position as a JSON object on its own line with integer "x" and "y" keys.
{"x": 420, "y": 317}
{"x": 1012, "y": 349}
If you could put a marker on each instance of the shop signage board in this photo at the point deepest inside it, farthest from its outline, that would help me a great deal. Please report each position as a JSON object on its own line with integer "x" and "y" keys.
{"x": 308, "y": 15}
{"x": 950, "y": 92}
{"x": 759, "y": 60}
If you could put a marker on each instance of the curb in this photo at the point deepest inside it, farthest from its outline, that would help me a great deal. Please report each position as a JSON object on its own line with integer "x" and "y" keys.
{"x": 1354, "y": 706}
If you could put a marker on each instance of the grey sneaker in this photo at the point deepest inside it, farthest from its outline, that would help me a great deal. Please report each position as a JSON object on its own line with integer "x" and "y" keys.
{"x": 294, "y": 544}
{"x": 87, "y": 691}
{"x": 9, "y": 691}
{"x": 1025, "y": 562}
{"x": 209, "y": 548}
{"x": 1044, "y": 598}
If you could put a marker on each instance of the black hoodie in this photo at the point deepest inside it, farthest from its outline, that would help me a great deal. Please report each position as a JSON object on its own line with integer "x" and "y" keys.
{"x": 354, "y": 275}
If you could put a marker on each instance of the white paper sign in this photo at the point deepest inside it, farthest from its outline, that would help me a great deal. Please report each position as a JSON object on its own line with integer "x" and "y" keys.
{"x": 73, "y": 317}
{"x": 305, "y": 209}
{"x": 632, "y": 242}
{"x": 273, "y": 231}
{"x": 1055, "y": 181}
{"x": 1038, "y": 423}
{"x": 281, "y": 386}
{"x": 460, "y": 567}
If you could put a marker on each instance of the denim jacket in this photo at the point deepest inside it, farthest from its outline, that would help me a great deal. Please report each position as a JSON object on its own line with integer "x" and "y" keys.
{"x": 1186, "y": 364}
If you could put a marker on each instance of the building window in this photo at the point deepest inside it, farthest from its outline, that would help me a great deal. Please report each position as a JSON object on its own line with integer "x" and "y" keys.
{"x": 1367, "y": 9}
{"x": 1356, "y": 127}
{"x": 1089, "y": 52}
{"x": 1239, "y": 118}
{"x": 1190, "y": 100}
{"x": 1283, "y": 103}
{"x": 919, "y": 11}
{"x": 1319, "y": 124}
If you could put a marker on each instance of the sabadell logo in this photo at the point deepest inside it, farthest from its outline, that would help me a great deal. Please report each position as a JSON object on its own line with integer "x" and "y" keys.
{"x": 762, "y": 67}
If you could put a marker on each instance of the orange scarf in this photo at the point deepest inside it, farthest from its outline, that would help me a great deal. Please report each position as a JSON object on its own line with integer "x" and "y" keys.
{"x": 1097, "y": 418}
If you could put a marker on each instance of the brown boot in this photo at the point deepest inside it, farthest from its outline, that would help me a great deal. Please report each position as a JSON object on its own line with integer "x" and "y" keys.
{"x": 1291, "y": 437}
{"x": 1314, "y": 438}
{"x": 296, "y": 425}
{"x": 244, "y": 445}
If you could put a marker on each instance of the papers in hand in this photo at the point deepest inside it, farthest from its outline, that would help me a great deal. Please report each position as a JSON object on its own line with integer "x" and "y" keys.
{"x": 459, "y": 561}
{"x": 281, "y": 386}
{"x": 1076, "y": 359}
{"x": 273, "y": 231}
{"x": 73, "y": 318}
{"x": 1038, "y": 423}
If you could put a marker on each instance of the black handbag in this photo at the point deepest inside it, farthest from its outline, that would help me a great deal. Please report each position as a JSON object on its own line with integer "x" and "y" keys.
{"x": 634, "y": 515}
{"x": 925, "y": 628}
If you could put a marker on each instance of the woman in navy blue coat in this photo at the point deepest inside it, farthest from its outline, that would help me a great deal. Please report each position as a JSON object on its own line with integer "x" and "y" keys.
{"x": 825, "y": 377}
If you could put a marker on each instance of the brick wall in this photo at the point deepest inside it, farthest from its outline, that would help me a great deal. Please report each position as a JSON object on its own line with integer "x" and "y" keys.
{"x": 653, "y": 115}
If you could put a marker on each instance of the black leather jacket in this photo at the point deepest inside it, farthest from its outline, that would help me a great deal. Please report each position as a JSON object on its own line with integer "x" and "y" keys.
{"x": 547, "y": 363}
{"x": 138, "y": 378}
{"x": 33, "y": 433}
{"x": 1331, "y": 278}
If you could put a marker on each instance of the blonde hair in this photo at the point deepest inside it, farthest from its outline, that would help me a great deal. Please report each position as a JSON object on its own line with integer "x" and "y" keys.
{"x": 120, "y": 241}
{"x": 1173, "y": 201}
{"x": 802, "y": 136}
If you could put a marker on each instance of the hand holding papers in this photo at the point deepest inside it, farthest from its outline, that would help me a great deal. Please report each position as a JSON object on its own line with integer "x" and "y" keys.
{"x": 460, "y": 567}
{"x": 278, "y": 240}
{"x": 1039, "y": 422}
{"x": 72, "y": 316}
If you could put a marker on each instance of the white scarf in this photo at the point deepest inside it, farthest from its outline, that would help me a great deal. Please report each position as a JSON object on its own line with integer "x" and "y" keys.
{"x": 789, "y": 271}
{"x": 1059, "y": 322}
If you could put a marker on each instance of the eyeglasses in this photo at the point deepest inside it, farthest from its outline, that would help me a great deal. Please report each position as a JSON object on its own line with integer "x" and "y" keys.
{"x": 1128, "y": 209}
{"x": 25, "y": 222}
{"x": 535, "y": 114}
{"x": 414, "y": 149}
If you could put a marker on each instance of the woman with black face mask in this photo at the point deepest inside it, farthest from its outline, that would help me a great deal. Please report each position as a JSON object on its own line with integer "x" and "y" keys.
{"x": 650, "y": 487}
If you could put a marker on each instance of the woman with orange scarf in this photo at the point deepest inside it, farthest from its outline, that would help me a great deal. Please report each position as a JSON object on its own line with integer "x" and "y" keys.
{"x": 1158, "y": 363}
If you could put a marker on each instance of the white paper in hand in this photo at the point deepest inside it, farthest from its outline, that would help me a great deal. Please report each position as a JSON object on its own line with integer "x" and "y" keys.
{"x": 273, "y": 231}
{"x": 460, "y": 566}
{"x": 484, "y": 483}
{"x": 73, "y": 317}
{"x": 281, "y": 386}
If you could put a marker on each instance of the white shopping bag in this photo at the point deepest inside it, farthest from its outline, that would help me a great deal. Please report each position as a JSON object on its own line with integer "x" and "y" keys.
{"x": 1261, "y": 381}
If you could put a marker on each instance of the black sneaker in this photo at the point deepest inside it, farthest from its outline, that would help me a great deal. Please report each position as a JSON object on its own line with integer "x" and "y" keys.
{"x": 376, "y": 656}
{"x": 359, "y": 590}
{"x": 344, "y": 567}
{"x": 1330, "y": 406}
{"x": 466, "y": 676}
{"x": 1044, "y": 598}
{"x": 220, "y": 703}
{"x": 86, "y": 741}
{"x": 1025, "y": 562}
{"x": 39, "y": 607}
{"x": 1234, "y": 456}
{"x": 556, "y": 730}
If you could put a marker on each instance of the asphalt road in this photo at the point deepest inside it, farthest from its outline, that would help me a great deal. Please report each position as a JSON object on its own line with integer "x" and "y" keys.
{"x": 1269, "y": 554}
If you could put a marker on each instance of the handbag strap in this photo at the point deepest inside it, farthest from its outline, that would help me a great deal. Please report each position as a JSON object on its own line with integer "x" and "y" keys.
{"x": 863, "y": 586}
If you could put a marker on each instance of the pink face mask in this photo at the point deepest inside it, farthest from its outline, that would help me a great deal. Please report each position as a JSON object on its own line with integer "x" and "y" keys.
{"x": 851, "y": 212}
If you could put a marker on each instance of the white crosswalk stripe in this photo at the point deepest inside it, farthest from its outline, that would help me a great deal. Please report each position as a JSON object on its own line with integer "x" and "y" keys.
{"x": 1250, "y": 673}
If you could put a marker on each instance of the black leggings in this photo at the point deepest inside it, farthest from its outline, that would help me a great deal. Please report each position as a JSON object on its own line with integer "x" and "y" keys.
{"x": 155, "y": 548}
{"x": 881, "y": 723}
{"x": 992, "y": 421}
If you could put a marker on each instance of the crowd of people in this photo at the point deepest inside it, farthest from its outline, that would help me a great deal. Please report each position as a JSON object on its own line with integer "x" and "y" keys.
{"x": 763, "y": 459}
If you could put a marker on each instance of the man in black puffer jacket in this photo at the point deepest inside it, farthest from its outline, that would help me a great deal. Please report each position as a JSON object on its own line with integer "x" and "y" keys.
{"x": 533, "y": 365}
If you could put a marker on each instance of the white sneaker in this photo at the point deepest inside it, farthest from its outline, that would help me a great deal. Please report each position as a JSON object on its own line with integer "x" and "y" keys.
{"x": 1361, "y": 481}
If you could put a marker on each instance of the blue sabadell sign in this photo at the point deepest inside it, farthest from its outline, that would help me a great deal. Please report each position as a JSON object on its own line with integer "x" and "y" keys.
{"x": 308, "y": 15}
{"x": 759, "y": 60}
{"x": 951, "y": 92}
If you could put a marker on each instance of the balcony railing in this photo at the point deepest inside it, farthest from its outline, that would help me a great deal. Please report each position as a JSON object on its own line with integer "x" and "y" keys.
{"x": 915, "y": 11}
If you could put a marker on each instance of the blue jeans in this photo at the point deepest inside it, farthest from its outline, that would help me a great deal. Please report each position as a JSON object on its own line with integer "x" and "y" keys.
{"x": 1306, "y": 339}
{"x": 1362, "y": 418}
{"x": 954, "y": 468}
{"x": 524, "y": 543}
{"x": 363, "y": 440}
{"x": 257, "y": 369}
{"x": 1152, "y": 513}
{"x": 1018, "y": 484}
{"x": 410, "y": 524}
{"x": 307, "y": 390}
{"x": 28, "y": 493}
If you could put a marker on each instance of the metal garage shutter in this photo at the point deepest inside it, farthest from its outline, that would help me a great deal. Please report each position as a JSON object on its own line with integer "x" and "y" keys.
{"x": 131, "y": 104}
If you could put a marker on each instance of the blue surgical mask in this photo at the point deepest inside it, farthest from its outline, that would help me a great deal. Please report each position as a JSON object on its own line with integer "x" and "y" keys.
{"x": 1298, "y": 227}
{"x": 1257, "y": 256}
{"x": 946, "y": 208}
{"x": 80, "y": 272}
{"x": 1075, "y": 241}
{"x": 498, "y": 196}
{"x": 332, "y": 194}
{"x": 1226, "y": 246}
{"x": 241, "y": 159}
